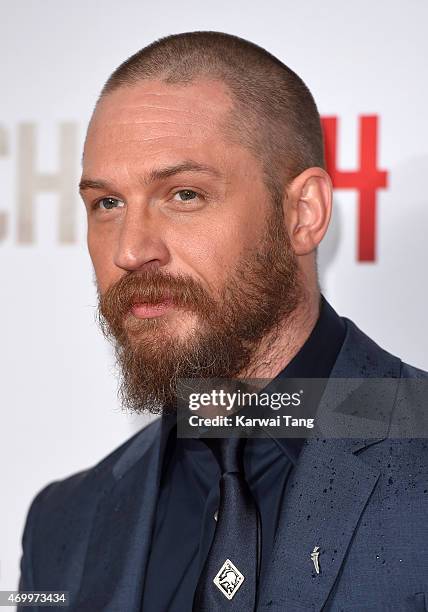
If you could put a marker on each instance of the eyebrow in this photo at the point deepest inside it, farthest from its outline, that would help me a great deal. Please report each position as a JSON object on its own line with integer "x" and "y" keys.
{"x": 157, "y": 174}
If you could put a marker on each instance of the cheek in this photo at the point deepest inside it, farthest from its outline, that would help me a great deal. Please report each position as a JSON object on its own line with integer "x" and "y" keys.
{"x": 233, "y": 236}
{"x": 213, "y": 250}
{"x": 100, "y": 251}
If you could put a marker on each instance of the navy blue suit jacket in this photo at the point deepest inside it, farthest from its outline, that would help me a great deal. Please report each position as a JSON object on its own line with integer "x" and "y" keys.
{"x": 363, "y": 501}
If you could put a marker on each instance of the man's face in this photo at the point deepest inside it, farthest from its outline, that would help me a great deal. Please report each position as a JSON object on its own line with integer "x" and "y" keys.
{"x": 192, "y": 261}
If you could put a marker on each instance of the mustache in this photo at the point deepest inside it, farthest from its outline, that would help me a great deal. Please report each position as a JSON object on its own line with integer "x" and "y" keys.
{"x": 154, "y": 287}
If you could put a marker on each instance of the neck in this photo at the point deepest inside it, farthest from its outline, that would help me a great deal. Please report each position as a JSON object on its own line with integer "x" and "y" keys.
{"x": 278, "y": 347}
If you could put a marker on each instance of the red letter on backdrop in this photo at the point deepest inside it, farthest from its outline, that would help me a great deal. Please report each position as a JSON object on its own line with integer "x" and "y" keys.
{"x": 367, "y": 179}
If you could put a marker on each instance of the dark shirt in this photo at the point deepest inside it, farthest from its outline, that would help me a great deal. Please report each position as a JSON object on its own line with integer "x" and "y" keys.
{"x": 189, "y": 489}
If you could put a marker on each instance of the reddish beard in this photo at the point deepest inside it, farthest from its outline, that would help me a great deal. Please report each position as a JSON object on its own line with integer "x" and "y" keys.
{"x": 263, "y": 290}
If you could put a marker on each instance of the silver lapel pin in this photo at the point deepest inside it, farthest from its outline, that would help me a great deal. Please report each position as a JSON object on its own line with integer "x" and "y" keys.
{"x": 315, "y": 558}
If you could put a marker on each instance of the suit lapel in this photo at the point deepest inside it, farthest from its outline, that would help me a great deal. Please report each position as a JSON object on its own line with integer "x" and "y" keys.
{"x": 323, "y": 504}
{"x": 120, "y": 538}
{"x": 331, "y": 483}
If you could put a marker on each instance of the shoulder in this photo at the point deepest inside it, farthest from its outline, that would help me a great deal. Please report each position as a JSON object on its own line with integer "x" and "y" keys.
{"x": 404, "y": 450}
{"x": 396, "y": 394}
{"x": 365, "y": 357}
{"x": 82, "y": 489}
{"x": 409, "y": 371}
{"x": 60, "y": 517}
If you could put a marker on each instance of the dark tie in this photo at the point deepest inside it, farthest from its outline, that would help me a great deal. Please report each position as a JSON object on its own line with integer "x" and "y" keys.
{"x": 229, "y": 577}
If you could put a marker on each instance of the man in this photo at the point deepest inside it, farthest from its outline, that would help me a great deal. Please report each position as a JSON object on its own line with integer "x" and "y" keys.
{"x": 206, "y": 194}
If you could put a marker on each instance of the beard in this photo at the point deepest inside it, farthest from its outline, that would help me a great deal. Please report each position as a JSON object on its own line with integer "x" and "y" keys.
{"x": 262, "y": 291}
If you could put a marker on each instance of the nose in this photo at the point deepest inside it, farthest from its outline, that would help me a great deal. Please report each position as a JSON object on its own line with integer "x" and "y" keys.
{"x": 141, "y": 243}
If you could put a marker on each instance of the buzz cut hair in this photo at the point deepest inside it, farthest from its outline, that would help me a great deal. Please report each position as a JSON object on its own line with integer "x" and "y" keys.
{"x": 274, "y": 114}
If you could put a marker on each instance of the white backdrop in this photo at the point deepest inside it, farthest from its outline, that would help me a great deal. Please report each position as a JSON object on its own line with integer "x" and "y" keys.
{"x": 58, "y": 391}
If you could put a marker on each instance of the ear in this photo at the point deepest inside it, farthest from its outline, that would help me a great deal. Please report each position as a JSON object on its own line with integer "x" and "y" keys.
{"x": 308, "y": 209}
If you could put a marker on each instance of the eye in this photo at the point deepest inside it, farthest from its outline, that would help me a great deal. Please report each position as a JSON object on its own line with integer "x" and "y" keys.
{"x": 184, "y": 195}
{"x": 108, "y": 203}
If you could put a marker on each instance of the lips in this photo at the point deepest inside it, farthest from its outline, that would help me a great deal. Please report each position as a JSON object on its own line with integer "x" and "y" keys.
{"x": 143, "y": 310}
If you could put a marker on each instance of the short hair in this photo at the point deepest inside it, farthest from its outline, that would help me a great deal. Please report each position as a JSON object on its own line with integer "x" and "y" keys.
{"x": 274, "y": 114}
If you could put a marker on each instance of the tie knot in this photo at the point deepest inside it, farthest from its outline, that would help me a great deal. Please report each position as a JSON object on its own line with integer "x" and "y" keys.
{"x": 229, "y": 453}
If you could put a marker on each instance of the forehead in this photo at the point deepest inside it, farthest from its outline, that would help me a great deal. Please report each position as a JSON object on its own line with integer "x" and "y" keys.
{"x": 154, "y": 119}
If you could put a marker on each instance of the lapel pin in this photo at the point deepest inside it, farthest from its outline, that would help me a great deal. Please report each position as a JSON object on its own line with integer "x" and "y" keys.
{"x": 228, "y": 579}
{"x": 315, "y": 558}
